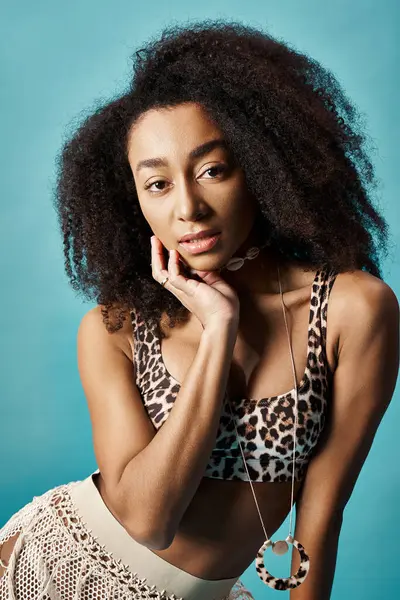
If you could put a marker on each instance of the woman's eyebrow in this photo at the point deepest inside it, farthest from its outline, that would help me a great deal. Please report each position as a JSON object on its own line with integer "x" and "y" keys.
{"x": 195, "y": 153}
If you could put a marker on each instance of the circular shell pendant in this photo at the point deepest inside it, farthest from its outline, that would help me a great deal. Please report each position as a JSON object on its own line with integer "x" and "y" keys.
{"x": 281, "y": 547}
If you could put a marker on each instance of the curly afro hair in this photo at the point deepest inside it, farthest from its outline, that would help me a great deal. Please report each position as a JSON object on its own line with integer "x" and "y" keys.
{"x": 287, "y": 122}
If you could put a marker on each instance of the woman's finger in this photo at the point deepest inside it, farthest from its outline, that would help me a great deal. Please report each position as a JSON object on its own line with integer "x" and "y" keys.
{"x": 176, "y": 281}
{"x": 158, "y": 267}
{"x": 173, "y": 265}
{"x": 209, "y": 277}
{"x": 176, "y": 278}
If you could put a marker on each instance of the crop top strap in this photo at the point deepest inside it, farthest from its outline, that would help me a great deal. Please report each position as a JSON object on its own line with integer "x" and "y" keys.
{"x": 138, "y": 338}
{"x": 328, "y": 277}
{"x": 144, "y": 347}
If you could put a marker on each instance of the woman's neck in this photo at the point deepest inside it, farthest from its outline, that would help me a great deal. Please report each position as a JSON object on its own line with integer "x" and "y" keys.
{"x": 257, "y": 276}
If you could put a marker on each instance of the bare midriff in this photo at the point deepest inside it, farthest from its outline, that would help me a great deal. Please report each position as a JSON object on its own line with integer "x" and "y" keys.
{"x": 221, "y": 531}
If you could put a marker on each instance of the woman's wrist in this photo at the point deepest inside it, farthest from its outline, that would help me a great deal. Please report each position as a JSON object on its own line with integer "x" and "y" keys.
{"x": 222, "y": 328}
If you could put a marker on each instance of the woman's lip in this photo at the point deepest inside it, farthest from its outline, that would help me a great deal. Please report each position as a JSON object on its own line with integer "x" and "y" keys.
{"x": 200, "y": 245}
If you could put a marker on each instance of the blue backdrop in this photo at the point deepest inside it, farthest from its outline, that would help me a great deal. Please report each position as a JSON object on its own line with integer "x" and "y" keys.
{"x": 57, "y": 58}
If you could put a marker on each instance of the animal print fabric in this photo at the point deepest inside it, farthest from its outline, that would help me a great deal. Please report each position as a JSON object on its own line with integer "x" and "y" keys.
{"x": 265, "y": 425}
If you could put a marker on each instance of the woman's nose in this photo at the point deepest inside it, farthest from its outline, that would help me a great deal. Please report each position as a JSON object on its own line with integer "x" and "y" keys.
{"x": 189, "y": 202}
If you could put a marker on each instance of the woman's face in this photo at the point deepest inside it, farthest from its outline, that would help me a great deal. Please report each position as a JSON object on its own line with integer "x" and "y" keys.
{"x": 187, "y": 181}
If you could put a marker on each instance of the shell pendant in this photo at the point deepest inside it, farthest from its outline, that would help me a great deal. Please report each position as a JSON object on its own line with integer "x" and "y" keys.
{"x": 235, "y": 263}
{"x": 281, "y": 547}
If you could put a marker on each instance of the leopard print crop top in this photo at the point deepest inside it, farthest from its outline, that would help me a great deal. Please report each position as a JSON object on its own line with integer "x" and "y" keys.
{"x": 265, "y": 426}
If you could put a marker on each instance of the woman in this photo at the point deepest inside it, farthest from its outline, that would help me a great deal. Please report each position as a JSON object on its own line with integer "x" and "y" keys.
{"x": 214, "y": 211}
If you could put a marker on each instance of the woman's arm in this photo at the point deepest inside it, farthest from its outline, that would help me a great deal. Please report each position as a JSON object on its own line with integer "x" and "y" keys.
{"x": 364, "y": 382}
{"x": 151, "y": 476}
{"x": 169, "y": 470}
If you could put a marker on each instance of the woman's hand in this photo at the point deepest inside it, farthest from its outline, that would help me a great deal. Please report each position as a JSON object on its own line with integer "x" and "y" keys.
{"x": 211, "y": 299}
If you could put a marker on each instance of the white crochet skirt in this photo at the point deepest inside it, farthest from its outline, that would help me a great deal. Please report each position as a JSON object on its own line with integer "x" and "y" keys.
{"x": 57, "y": 556}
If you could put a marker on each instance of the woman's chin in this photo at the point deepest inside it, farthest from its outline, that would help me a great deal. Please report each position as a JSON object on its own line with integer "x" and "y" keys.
{"x": 205, "y": 267}
{"x": 202, "y": 271}
{"x": 206, "y": 264}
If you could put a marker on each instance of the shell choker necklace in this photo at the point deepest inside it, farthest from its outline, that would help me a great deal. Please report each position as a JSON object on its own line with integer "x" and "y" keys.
{"x": 236, "y": 262}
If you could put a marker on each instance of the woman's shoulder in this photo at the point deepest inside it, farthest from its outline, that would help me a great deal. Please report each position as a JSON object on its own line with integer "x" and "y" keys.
{"x": 357, "y": 289}
{"x": 359, "y": 299}
{"x": 114, "y": 325}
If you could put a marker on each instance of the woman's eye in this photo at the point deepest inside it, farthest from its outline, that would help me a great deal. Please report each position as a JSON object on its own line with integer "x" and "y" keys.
{"x": 148, "y": 186}
{"x": 217, "y": 168}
